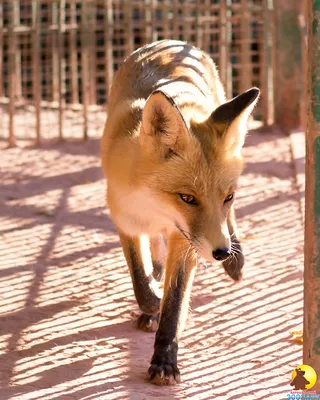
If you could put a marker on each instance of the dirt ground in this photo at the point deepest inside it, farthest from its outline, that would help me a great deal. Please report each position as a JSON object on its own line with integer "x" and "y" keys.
{"x": 66, "y": 304}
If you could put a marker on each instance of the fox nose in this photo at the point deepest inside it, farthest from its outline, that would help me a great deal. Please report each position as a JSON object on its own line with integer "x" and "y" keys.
{"x": 221, "y": 254}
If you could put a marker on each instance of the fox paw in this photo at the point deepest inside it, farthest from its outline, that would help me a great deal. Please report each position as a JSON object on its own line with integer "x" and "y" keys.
{"x": 234, "y": 264}
{"x": 148, "y": 323}
{"x": 163, "y": 375}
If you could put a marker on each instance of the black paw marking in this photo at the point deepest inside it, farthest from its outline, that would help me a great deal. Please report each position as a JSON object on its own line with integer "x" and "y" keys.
{"x": 163, "y": 369}
{"x": 163, "y": 375}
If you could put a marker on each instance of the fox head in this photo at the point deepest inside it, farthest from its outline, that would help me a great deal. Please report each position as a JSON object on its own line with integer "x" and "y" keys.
{"x": 192, "y": 168}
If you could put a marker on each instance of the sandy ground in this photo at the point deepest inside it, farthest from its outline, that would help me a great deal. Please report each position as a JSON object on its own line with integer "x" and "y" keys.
{"x": 66, "y": 303}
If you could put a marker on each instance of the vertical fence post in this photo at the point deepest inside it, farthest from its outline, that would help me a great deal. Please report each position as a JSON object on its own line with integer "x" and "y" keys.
{"x": 91, "y": 41}
{"x": 16, "y": 17}
{"x": 175, "y": 20}
{"x": 267, "y": 87}
{"x": 129, "y": 27}
{"x": 246, "y": 68}
{"x": 225, "y": 44}
{"x": 185, "y": 13}
{"x": 12, "y": 42}
{"x": 303, "y": 29}
{"x": 150, "y": 9}
{"x": 1, "y": 49}
{"x": 153, "y": 11}
{"x": 36, "y": 72}
{"x": 206, "y": 26}
{"x": 73, "y": 53}
{"x": 61, "y": 69}
{"x": 108, "y": 40}
{"x": 311, "y": 346}
{"x": 165, "y": 18}
{"x": 199, "y": 33}
{"x": 55, "y": 58}
{"x": 85, "y": 88}
{"x": 288, "y": 74}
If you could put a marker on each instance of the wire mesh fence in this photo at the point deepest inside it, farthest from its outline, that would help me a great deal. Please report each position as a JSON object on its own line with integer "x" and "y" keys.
{"x": 58, "y": 57}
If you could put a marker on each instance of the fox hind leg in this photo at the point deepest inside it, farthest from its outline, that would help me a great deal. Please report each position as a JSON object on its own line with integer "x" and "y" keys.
{"x": 158, "y": 253}
{"x": 138, "y": 257}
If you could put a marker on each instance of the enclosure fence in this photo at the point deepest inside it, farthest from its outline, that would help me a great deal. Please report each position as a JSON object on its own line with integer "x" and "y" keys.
{"x": 57, "y": 58}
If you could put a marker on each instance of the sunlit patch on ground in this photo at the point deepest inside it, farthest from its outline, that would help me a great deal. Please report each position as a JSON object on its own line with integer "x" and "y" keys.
{"x": 66, "y": 304}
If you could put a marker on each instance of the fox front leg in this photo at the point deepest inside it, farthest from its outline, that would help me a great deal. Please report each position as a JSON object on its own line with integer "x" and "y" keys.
{"x": 179, "y": 274}
{"x": 138, "y": 257}
{"x": 234, "y": 264}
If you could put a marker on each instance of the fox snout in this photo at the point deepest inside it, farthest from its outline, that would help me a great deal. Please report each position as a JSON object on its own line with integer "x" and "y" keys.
{"x": 211, "y": 240}
{"x": 216, "y": 244}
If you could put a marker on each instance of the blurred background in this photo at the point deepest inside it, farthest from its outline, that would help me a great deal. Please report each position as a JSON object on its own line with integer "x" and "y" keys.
{"x": 57, "y": 58}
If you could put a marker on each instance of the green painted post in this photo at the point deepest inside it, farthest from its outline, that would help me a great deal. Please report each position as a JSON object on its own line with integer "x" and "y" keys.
{"x": 311, "y": 346}
{"x": 288, "y": 81}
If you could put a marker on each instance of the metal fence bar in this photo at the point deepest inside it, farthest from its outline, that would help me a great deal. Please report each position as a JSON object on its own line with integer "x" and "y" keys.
{"x": 303, "y": 29}
{"x": 165, "y": 18}
{"x": 55, "y": 57}
{"x": 175, "y": 20}
{"x": 16, "y": 16}
{"x": 311, "y": 340}
{"x": 246, "y": 67}
{"x": 73, "y": 54}
{"x": 288, "y": 72}
{"x": 12, "y": 67}
{"x": 186, "y": 25}
{"x": 129, "y": 27}
{"x": 205, "y": 16}
{"x": 264, "y": 77}
{"x": 150, "y": 20}
{"x": 224, "y": 46}
{"x": 36, "y": 64}
{"x": 1, "y": 49}
{"x": 108, "y": 40}
{"x": 91, "y": 11}
{"x": 61, "y": 69}
{"x": 85, "y": 67}
{"x": 153, "y": 7}
{"x": 199, "y": 33}
{"x": 267, "y": 84}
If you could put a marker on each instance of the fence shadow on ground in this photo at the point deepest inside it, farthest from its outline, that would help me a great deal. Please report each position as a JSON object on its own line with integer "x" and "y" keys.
{"x": 66, "y": 329}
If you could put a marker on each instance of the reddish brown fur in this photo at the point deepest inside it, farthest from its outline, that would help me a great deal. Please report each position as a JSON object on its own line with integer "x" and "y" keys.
{"x": 161, "y": 141}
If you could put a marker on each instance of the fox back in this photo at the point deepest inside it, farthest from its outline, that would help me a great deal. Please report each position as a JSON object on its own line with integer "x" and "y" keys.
{"x": 171, "y": 148}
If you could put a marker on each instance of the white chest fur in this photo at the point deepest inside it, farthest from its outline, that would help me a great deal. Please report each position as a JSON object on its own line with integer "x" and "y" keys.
{"x": 141, "y": 212}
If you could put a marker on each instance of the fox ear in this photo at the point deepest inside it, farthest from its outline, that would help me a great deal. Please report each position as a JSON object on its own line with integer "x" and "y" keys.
{"x": 163, "y": 126}
{"x": 231, "y": 118}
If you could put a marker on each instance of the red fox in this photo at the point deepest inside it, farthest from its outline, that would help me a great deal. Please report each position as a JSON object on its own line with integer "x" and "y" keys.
{"x": 171, "y": 154}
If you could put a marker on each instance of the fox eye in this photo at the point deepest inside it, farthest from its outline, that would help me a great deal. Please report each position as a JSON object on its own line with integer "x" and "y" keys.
{"x": 188, "y": 198}
{"x": 229, "y": 198}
